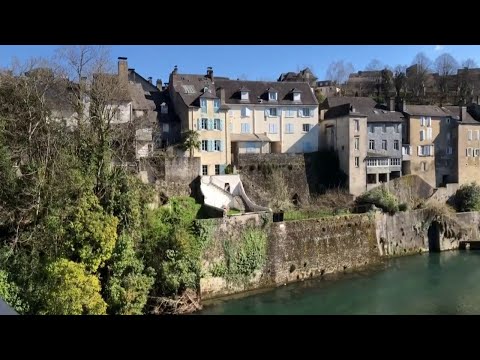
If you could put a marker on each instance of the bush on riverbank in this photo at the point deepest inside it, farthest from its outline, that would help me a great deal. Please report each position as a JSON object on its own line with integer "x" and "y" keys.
{"x": 467, "y": 198}
{"x": 381, "y": 198}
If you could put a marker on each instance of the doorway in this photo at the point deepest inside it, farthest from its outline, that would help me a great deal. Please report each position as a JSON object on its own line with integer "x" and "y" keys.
{"x": 434, "y": 237}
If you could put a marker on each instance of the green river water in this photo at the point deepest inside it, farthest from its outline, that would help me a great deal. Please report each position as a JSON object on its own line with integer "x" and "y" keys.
{"x": 437, "y": 283}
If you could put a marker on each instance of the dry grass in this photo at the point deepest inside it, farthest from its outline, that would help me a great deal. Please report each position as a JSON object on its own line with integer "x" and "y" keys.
{"x": 333, "y": 200}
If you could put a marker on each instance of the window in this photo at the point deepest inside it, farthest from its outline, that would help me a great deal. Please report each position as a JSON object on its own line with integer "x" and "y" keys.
{"x": 384, "y": 128}
{"x": 377, "y": 162}
{"x": 449, "y": 136}
{"x": 477, "y": 152}
{"x": 384, "y": 144}
{"x": 357, "y": 161}
{"x": 203, "y": 105}
{"x": 428, "y": 121}
{"x": 204, "y": 145}
{"x": 371, "y": 144}
{"x": 165, "y": 127}
{"x": 250, "y": 147}
{"x": 217, "y": 169}
{"x": 245, "y": 128}
{"x": 204, "y": 124}
{"x": 272, "y": 128}
{"x": 217, "y": 145}
{"x": 244, "y": 95}
{"x": 469, "y": 135}
{"x": 425, "y": 150}
{"x": 470, "y": 151}
{"x": 204, "y": 169}
{"x": 422, "y": 135}
{"x": 397, "y": 128}
{"x": 395, "y": 162}
{"x": 289, "y": 128}
{"x": 396, "y": 145}
{"x": 296, "y": 96}
{"x": 447, "y": 119}
{"x": 216, "y": 105}
{"x": 449, "y": 150}
{"x": 164, "y": 108}
{"x": 306, "y": 127}
{"x": 217, "y": 124}
{"x": 423, "y": 166}
{"x": 370, "y": 128}
{"x": 477, "y": 135}
{"x": 290, "y": 112}
{"x": 306, "y": 112}
{"x": 356, "y": 125}
{"x": 245, "y": 112}
{"x": 357, "y": 143}
{"x": 272, "y": 112}
{"x": 272, "y": 96}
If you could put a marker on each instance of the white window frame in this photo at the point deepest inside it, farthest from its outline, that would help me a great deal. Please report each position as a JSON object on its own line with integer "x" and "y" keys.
{"x": 206, "y": 145}
{"x": 217, "y": 167}
{"x": 272, "y": 128}
{"x": 309, "y": 112}
{"x": 476, "y": 152}
{"x": 356, "y": 142}
{"x": 270, "y": 112}
{"x": 308, "y": 127}
{"x": 272, "y": 96}
{"x": 384, "y": 142}
{"x": 429, "y": 133}
{"x": 290, "y": 112}
{"x": 356, "y": 125}
{"x": 469, "y": 152}
{"x": 215, "y": 143}
{"x": 470, "y": 135}
{"x": 296, "y": 97}
{"x": 245, "y": 126}
{"x": 204, "y": 109}
{"x": 217, "y": 124}
{"x": 289, "y": 128}
{"x": 202, "y": 121}
{"x": 244, "y": 95}
{"x": 422, "y": 135}
{"x": 396, "y": 145}
{"x": 357, "y": 161}
{"x": 204, "y": 170}
{"x": 371, "y": 144}
{"x": 477, "y": 134}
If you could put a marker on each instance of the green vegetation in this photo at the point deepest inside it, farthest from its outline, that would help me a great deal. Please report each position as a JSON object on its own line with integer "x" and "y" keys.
{"x": 243, "y": 257}
{"x": 306, "y": 214}
{"x": 234, "y": 211}
{"x": 467, "y": 198}
{"x": 381, "y": 198}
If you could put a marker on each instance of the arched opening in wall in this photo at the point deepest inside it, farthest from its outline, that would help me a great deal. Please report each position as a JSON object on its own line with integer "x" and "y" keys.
{"x": 296, "y": 200}
{"x": 434, "y": 237}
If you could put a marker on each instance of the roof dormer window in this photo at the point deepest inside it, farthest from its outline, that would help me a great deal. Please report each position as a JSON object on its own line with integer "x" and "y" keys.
{"x": 296, "y": 95}
{"x": 244, "y": 95}
{"x": 272, "y": 96}
{"x": 205, "y": 89}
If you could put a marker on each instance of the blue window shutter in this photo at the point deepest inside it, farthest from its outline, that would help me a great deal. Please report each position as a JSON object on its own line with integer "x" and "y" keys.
{"x": 209, "y": 145}
{"x": 221, "y": 124}
{"x": 221, "y": 145}
{"x": 209, "y": 124}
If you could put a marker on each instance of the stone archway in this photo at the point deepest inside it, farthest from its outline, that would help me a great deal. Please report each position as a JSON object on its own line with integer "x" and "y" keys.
{"x": 434, "y": 237}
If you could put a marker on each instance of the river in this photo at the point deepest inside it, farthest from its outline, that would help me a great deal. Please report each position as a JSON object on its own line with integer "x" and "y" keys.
{"x": 436, "y": 283}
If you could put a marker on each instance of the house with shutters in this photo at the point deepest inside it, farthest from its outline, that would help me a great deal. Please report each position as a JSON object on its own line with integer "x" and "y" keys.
{"x": 235, "y": 117}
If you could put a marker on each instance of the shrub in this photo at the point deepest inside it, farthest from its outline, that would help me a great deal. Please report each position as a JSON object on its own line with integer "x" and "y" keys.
{"x": 467, "y": 198}
{"x": 403, "y": 207}
{"x": 381, "y": 198}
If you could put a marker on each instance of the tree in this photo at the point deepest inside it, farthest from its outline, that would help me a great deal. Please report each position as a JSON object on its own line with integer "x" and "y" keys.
{"x": 70, "y": 290}
{"x": 400, "y": 80}
{"x": 469, "y": 63}
{"x": 386, "y": 82}
{"x": 417, "y": 77}
{"x": 445, "y": 65}
{"x": 191, "y": 141}
{"x": 10, "y": 293}
{"x": 466, "y": 81}
{"x": 129, "y": 283}
{"x": 338, "y": 71}
{"x": 374, "y": 65}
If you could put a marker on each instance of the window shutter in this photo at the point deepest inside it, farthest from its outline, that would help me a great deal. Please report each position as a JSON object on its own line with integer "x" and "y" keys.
{"x": 432, "y": 150}
{"x": 419, "y": 150}
{"x": 199, "y": 124}
{"x": 300, "y": 112}
{"x": 247, "y": 126}
{"x": 221, "y": 145}
{"x": 267, "y": 112}
{"x": 478, "y": 134}
{"x": 222, "y": 169}
{"x": 221, "y": 124}
{"x": 429, "y": 133}
{"x": 209, "y": 145}
{"x": 422, "y": 135}
{"x": 429, "y": 121}
{"x": 469, "y": 134}
{"x": 466, "y": 152}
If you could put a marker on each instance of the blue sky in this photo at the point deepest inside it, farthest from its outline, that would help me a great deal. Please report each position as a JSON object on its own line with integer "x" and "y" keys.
{"x": 252, "y": 61}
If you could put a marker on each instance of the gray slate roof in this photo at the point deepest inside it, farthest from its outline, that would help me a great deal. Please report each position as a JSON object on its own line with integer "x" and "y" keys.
{"x": 190, "y": 88}
{"x": 344, "y": 105}
{"x": 424, "y": 110}
{"x": 455, "y": 113}
{"x": 258, "y": 90}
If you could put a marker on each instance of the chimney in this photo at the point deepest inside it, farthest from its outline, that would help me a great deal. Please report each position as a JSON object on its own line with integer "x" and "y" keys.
{"x": 159, "y": 84}
{"x": 222, "y": 96}
{"x": 392, "y": 104}
{"x": 463, "y": 113}
{"x": 175, "y": 69}
{"x": 210, "y": 73}
{"x": 150, "y": 79}
{"x": 123, "y": 69}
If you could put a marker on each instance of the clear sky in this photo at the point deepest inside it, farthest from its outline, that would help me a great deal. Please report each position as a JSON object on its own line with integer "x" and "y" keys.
{"x": 253, "y": 62}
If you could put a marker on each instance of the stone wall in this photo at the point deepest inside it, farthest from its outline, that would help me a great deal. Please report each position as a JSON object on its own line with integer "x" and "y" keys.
{"x": 443, "y": 194}
{"x": 410, "y": 189}
{"x": 408, "y": 232}
{"x": 295, "y": 250}
{"x": 172, "y": 176}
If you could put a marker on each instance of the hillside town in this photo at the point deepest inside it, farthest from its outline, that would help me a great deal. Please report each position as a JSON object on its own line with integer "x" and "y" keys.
{"x": 123, "y": 194}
